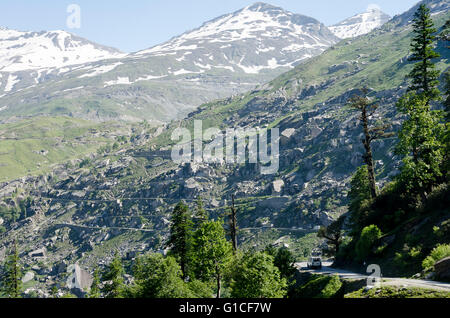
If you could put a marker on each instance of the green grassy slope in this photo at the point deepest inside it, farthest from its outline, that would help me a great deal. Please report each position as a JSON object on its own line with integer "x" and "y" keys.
{"x": 32, "y": 146}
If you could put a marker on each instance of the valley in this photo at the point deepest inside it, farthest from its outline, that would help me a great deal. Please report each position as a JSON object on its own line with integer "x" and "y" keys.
{"x": 86, "y": 170}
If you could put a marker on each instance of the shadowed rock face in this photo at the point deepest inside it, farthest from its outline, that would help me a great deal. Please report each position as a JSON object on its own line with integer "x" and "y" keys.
{"x": 442, "y": 269}
{"x": 79, "y": 279}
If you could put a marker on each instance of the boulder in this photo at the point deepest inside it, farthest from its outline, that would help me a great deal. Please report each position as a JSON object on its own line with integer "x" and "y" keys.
{"x": 277, "y": 186}
{"x": 286, "y": 136}
{"x": 442, "y": 269}
{"x": 131, "y": 255}
{"x": 337, "y": 67}
{"x": 29, "y": 276}
{"x": 39, "y": 253}
{"x": 78, "y": 279}
{"x": 388, "y": 240}
{"x": 60, "y": 268}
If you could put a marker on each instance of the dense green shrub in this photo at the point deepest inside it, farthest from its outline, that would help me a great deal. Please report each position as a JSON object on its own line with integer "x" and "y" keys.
{"x": 369, "y": 236}
{"x": 439, "y": 252}
{"x": 398, "y": 292}
{"x": 160, "y": 277}
{"x": 284, "y": 260}
{"x": 320, "y": 286}
{"x": 256, "y": 276}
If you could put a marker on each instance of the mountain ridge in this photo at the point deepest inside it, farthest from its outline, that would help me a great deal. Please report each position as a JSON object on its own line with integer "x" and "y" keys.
{"x": 214, "y": 62}
{"x": 360, "y": 24}
{"x": 57, "y": 46}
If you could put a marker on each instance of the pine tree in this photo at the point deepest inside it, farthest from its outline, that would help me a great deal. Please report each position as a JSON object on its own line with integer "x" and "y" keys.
{"x": 445, "y": 34}
{"x": 113, "y": 277}
{"x": 446, "y": 166}
{"x": 181, "y": 235}
{"x": 359, "y": 197}
{"x": 420, "y": 144}
{"x": 368, "y": 109}
{"x": 201, "y": 215}
{"x": 421, "y": 136}
{"x": 94, "y": 291}
{"x": 12, "y": 279}
{"x": 233, "y": 225}
{"x": 447, "y": 93}
{"x": 424, "y": 74}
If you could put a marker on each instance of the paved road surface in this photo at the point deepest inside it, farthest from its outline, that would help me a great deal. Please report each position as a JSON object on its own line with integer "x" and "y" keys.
{"x": 392, "y": 281}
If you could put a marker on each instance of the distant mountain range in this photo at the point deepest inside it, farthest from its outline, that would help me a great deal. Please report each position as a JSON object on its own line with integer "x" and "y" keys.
{"x": 58, "y": 73}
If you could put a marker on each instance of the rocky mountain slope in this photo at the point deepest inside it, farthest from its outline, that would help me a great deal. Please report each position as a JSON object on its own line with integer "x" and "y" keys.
{"x": 121, "y": 199}
{"x": 360, "y": 24}
{"x": 225, "y": 56}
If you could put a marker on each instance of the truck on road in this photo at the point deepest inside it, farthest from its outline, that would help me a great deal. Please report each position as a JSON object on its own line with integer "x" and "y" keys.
{"x": 315, "y": 260}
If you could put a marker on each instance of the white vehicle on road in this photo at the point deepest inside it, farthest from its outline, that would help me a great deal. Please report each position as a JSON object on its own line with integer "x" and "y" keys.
{"x": 315, "y": 262}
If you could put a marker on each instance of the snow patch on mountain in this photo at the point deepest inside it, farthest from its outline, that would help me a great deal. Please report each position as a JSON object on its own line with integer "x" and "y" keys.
{"x": 20, "y": 51}
{"x": 101, "y": 70}
{"x": 360, "y": 24}
{"x": 119, "y": 81}
{"x": 12, "y": 80}
{"x": 257, "y": 38}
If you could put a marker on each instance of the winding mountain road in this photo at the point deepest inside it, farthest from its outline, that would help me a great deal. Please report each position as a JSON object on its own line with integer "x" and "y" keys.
{"x": 386, "y": 281}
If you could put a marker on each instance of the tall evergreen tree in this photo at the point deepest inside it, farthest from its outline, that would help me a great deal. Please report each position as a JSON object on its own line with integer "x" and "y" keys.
{"x": 359, "y": 197}
{"x": 368, "y": 109}
{"x": 12, "y": 278}
{"x": 420, "y": 144}
{"x": 446, "y": 166}
{"x": 447, "y": 93}
{"x": 420, "y": 139}
{"x": 445, "y": 34}
{"x": 201, "y": 215}
{"x": 233, "y": 225}
{"x": 181, "y": 236}
{"x": 113, "y": 277}
{"x": 94, "y": 291}
{"x": 424, "y": 74}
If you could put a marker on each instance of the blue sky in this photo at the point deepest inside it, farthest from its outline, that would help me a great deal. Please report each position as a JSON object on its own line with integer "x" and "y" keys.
{"x": 132, "y": 25}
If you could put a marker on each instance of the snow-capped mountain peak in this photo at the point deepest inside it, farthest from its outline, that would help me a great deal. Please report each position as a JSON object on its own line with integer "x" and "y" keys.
{"x": 246, "y": 23}
{"x": 360, "y": 24}
{"x": 255, "y": 38}
{"x": 20, "y": 51}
